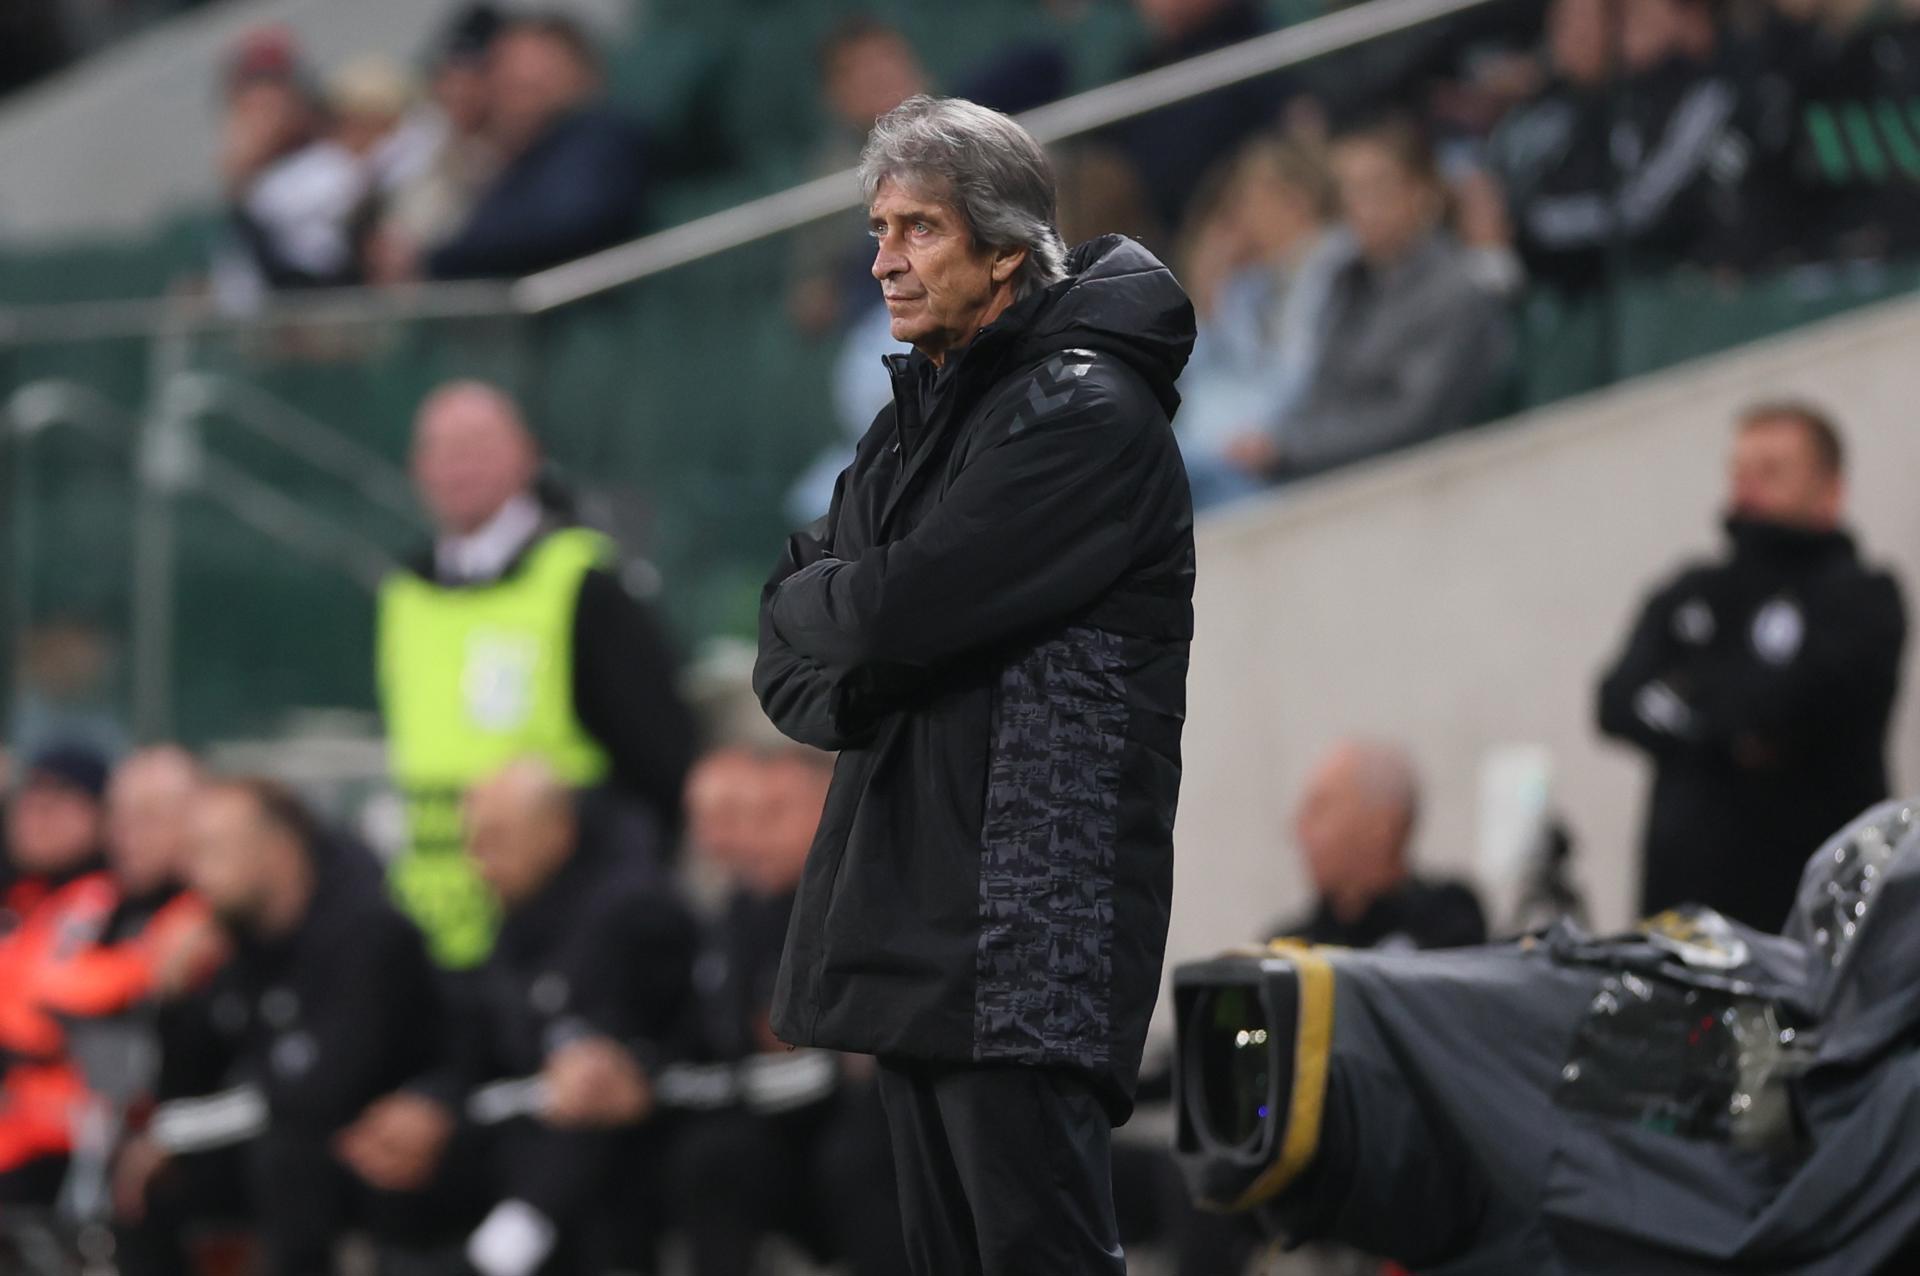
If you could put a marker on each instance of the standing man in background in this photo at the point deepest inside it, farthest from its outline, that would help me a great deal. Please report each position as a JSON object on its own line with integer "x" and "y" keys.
{"x": 513, "y": 638}
{"x": 1761, "y": 685}
{"x": 991, "y": 626}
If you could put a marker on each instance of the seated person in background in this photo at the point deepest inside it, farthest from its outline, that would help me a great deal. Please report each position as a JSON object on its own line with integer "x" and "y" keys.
{"x": 573, "y": 177}
{"x": 97, "y": 947}
{"x": 1174, "y": 147}
{"x": 1411, "y": 343}
{"x": 587, "y": 990}
{"x": 430, "y": 197}
{"x": 55, "y": 824}
{"x": 326, "y": 1004}
{"x": 817, "y": 1169}
{"x": 1671, "y": 164}
{"x": 1855, "y": 72}
{"x": 296, "y": 198}
{"x": 1265, "y": 262}
{"x": 1355, "y": 825}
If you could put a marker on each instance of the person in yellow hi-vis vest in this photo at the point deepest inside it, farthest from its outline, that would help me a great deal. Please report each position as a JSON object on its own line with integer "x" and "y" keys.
{"x": 512, "y": 638}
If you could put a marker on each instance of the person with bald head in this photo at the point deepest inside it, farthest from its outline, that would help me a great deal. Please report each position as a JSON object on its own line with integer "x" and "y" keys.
{"x": 1354, "y": 827}
{"x": 513, "y": 637}
{"x": 588, "y": 989}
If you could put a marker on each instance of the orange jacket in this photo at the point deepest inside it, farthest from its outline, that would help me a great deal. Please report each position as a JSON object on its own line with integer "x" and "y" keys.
{"x": 55, "y": 964}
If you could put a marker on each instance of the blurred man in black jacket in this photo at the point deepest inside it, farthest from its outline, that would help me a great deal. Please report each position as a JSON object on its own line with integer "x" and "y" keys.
{"x": 1354, "y": 825}
{"x": 327, "y": 1003}
{"x": 586, "y": 991}
{"x": 813, "y": 1164}
{"x": 1761, "y": 685}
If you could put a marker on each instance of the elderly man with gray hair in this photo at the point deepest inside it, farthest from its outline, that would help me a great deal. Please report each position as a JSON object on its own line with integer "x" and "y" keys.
{"x": 991, "y": 626}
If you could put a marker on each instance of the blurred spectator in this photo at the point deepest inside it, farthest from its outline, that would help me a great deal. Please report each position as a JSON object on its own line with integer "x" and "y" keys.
{"x": 867, "y": 68}
{"x": 512, "y": 637}
{"x": 327, "y": 1004}
{"x": 370, "y": 102}
{"x": 1353, "y": 826}
{"x": 823, "y": 1174}
{"x": 1856, "y": 68}
{"x": 56, "y": 824}
{"x": 1259, "y": 271}
{"x": 66, "y": 690}
{"x": 296, "y": 198}
{"x": 451, "y": 160}
{"x": 586, "y": 991}
{"x": 1670, "y": 167}
{"x": 573, "y": 176}
{"x": 94, "y": 948}
{"x": 1411, "y": 344}
{"x": 1761, "y": 685}
{"x": 1174, "y": 147}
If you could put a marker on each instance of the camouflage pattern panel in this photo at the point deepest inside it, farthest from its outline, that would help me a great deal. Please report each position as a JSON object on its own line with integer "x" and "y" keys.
{"x": 1044, "y": 965}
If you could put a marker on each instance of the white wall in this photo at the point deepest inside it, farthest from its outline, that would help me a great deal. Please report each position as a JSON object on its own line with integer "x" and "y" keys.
{"x": 128, "y": 137}
{"x": 1466, "y": 597}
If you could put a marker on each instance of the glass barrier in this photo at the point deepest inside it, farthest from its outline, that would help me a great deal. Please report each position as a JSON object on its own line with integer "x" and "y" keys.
{"x": 1359, "y": 287}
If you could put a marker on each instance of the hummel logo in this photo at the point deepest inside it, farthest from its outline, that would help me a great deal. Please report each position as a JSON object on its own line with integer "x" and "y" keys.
{"x": 1062, "y": 377}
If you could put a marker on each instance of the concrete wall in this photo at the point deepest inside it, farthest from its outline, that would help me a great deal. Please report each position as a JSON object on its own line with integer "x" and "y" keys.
{"x": 128, "y": 137}
{"x": 1465, "y": 597}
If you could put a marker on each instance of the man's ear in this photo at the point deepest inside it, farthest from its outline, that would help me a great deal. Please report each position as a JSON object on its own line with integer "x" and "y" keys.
{"x": 1007, "y": 263}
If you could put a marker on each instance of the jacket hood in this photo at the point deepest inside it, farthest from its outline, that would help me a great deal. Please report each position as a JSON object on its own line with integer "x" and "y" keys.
{"x": 1118, "y": 298}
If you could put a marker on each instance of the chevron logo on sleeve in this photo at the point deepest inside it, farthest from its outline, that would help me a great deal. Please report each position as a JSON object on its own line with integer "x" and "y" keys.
{"x": 1052, "y": 388}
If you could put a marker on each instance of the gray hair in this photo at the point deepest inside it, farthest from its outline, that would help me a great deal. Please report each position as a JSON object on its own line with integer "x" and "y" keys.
{"x": 982, "y": 164}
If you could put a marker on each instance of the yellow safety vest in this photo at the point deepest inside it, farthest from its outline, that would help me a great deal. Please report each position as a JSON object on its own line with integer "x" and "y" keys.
{"x": 472, "y": 678}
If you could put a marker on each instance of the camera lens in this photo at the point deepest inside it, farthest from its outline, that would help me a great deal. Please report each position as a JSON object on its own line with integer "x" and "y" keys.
{"x": 1232, "y": 1058}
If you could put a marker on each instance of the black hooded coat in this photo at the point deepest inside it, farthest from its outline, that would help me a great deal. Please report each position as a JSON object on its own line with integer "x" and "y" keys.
{"x": 991, "y": 626}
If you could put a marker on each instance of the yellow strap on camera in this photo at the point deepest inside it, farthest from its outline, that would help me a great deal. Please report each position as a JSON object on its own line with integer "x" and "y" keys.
{"x": 1312, "y": 1053}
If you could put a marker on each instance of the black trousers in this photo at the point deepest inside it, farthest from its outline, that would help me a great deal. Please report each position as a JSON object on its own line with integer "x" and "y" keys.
{"x": 1003, "y": 1170}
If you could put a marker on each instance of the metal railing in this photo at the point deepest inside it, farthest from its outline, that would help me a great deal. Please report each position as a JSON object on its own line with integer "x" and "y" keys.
{"x": 167, "y": 453}
{"x": 730, "y": 228}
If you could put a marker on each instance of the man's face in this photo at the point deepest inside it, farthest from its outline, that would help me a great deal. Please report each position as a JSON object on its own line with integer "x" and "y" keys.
{"x": 1387, "y": 208}
{"x": 460, "y": 91}
{"x": 516, "y": 844}
{"x": 868, "y": 77}
{"x": 939, "y": 285}
{"x": 471, "y": 455}
{"x": 275, "y": 111}
{"x": 1332, "y": 825}
{"x": 1579, "y": 39}
{"x": 1775, "y": 475}
{"x": 149, "y": 812}
{"x": 229, "y": 856}
{"x": 726, "y": 806}
{"x": 777, "y": 852}
{"x": 532, "y": 80}
{"x": 52, "y": 827}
